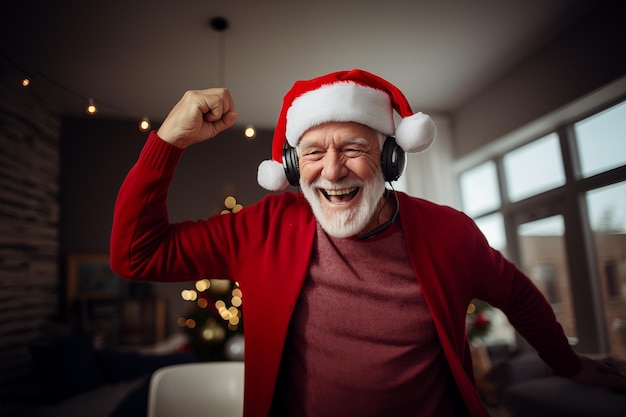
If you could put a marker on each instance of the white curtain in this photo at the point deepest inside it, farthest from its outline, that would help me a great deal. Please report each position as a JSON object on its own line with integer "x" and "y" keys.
{"x": 430, "y": 175}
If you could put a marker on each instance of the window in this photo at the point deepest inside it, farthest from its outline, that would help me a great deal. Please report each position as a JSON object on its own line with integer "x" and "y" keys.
{"x": 601, "y": 141}
{"x": 606, "y": 209}
{"x": 544, "y": 276}
{"x": 543, "y": 257}
{"x": 534, "y": 168}
{"x": 606, "y": 212}
{"x": 557, "y": 207}
{"x": 613, "y": 287}
{"x": 492, "y": 227}
{"x": 479, "y": 189}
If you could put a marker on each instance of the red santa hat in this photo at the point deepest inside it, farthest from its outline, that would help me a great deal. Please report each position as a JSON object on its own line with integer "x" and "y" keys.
{"x": 344, "y": 96}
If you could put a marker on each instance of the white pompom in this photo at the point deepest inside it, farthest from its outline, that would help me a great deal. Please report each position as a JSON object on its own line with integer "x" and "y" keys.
{"x": 416, "y": 133}
{"x": 271, "y": 176}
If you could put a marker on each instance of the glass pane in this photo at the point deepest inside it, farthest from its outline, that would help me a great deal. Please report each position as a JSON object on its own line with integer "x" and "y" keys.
{"x": 479, "y": 189}
{"x": 606, "y": 208}
{"x": 534, "y": 168}
{"x": 601, "y": 140}
{"x": 492, "y": 227}
{"x": 543, "y": 258}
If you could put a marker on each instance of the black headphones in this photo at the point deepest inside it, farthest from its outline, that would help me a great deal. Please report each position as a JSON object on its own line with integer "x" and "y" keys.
{"x": 392, "y": 161}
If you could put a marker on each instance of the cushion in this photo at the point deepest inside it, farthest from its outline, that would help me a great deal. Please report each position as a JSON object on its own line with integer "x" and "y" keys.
{"x": 559, "y": 397}
{"x": 66, "y": 366}
{"x": 518, "y": 369}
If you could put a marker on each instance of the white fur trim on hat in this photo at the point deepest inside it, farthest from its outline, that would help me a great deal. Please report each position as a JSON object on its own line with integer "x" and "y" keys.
{"x": 271, "y": 176}
{"x": 339, "y": 102}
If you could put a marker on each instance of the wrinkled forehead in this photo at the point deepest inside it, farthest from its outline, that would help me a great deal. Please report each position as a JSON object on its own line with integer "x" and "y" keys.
{"x": 325, "y": 137}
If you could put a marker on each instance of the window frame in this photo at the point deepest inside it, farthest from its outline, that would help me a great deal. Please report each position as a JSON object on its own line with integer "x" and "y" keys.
{"x": 567, "y": 200}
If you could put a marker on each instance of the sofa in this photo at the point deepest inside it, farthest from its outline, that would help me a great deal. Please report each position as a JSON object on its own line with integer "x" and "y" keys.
{"x": 524, "y": 386}
{"x": 72, "y": 378}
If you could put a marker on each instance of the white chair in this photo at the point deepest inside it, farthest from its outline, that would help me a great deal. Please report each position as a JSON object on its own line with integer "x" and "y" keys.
{"x": 205, "y": 389}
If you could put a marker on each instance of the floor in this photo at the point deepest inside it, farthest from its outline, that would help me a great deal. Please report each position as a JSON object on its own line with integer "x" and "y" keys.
{"x": 495, "y": 412}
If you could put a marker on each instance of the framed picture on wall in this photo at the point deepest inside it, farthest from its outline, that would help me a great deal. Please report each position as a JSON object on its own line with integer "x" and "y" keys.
{"x": 89, "y": 277}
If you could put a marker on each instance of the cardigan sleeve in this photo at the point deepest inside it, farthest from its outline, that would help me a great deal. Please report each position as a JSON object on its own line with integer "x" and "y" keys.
{"x": 502, "y": 284}
{"x": 145, "y": 246}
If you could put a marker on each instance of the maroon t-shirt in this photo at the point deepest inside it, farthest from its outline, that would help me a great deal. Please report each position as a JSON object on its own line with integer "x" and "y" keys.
{"x": 362, "y": 341}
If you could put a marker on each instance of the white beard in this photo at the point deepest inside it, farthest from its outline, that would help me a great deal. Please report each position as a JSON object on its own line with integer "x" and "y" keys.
{"x": 348, "y": 222}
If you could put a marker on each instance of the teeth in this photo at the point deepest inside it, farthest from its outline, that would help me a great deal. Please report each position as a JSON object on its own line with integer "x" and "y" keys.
{"x": 341, "y": 191}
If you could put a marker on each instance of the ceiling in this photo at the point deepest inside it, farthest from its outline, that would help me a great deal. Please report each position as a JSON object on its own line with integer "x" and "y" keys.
{"x": 137, "y": 57}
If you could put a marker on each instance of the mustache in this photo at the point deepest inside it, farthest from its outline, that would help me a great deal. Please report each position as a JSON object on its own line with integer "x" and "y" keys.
{"x": 339, "y": 185}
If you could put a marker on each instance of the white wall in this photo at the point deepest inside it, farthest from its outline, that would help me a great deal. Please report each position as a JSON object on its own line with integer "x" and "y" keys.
{"x": 581, "y": 60}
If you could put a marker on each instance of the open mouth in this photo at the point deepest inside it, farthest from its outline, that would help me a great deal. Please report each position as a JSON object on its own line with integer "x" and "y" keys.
{"x": 340, "y": 196}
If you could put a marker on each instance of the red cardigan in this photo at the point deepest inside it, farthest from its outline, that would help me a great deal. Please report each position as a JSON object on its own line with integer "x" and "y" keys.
{"x": 266, "y": 247}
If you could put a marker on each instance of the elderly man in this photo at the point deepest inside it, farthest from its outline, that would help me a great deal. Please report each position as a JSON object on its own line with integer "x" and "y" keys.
{"x": 323, "y": 271}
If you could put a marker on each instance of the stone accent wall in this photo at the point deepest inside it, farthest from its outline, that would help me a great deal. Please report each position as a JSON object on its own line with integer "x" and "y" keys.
{"x": 29, "y": 230}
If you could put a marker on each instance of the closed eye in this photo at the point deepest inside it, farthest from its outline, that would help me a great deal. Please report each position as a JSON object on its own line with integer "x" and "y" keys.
{"x": 312, "y": 154}
{"x": 352, "y": 153}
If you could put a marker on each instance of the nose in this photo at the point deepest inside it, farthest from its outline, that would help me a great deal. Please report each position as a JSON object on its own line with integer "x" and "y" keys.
{"x": 334, "y": 166}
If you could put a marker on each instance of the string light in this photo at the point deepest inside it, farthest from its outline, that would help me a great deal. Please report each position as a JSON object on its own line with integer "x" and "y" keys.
{"x": 250, "y": 132}
{"x": 219, "y": 24}
{"x": 91, "y": 108}
{"x": 144, "y": 125}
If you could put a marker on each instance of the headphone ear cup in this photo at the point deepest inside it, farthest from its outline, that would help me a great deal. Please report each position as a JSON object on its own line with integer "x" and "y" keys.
{"x": 291, "y": 164}
{"x": 392, "y": 159}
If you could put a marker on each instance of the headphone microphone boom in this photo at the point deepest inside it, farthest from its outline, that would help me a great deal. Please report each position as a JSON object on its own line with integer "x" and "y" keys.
{"x": 385, "y": 225}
